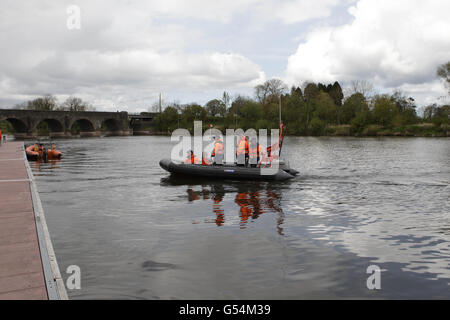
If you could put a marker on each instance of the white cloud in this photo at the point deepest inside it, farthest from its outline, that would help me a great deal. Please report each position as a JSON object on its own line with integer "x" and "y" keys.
{"x": 128, "y": 52}
{"x": 392, "y": 43}
{"x": 286, "y": 11}
{"x": 124, "y": 53}
{"x": 303, "y": 10}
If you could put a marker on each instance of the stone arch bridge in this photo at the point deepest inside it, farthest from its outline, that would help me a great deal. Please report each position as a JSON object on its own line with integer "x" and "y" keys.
{"x": 26, "y": 122}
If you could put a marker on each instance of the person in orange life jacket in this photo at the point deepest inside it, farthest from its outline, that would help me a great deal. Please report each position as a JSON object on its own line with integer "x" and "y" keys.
{"x": 217, "y": 152}
{"x": 255, "y": 151}
{"x": 242, "y": 151}
{"x": 43, "y": 152}
{"x": 205, "y": 161}
{"x": 191, "y": 158}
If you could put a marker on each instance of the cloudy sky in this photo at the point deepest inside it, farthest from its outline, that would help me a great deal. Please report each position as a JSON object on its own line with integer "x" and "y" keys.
{"x": 126, "y": 52}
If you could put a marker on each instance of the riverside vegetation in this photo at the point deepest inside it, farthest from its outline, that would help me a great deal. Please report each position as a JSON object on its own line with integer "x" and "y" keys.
{"x": 317, "y": 110}
{"x": 314, "y": 109}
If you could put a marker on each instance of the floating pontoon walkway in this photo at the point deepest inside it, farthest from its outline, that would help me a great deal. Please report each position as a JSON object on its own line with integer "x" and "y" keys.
{"x": 28, "y": 266}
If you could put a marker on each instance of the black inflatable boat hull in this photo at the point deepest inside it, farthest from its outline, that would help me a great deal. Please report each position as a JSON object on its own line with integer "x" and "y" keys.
{"x": 222, "y": 172}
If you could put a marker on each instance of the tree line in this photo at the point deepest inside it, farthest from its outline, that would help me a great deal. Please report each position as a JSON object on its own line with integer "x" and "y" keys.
{"x": 314, "y": 109}
{"x": 309, "y": 109}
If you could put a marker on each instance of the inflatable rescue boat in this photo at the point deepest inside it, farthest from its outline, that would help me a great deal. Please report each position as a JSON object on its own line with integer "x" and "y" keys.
{"x": 228, "y": 171}
{"x": 36, "y": 152}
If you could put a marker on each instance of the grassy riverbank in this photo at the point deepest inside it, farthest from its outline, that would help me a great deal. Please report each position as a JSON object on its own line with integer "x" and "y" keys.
{"x": 416, "y": 130}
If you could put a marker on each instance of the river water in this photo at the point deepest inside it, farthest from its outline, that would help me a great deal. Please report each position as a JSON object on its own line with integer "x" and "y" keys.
{"x": 137, "y": 233}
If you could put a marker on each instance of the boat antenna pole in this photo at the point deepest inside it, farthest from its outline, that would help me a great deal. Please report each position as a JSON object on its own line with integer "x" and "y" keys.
{"x": 280, "y": 143}
{"x": 280, "y": 110}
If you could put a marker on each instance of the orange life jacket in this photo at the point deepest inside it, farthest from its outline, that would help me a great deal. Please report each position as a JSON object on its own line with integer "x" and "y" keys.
{"x": 192, "y": 159}
{"x": 205, "y": 162}
{"x": 255, "y": 152}
{"x": 218, "y": 148}
{"x": 242, "y": 147}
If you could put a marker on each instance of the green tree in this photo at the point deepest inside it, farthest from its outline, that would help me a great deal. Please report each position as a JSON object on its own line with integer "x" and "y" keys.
{"x": 325, "y": 108}
{"x": 294, "y": 112}
{"x": 215, "y": 108}
{"x": 359, "y": 122}
{"x": 170, "y": 118}
{"x": 249, "y": 114}
{"x": 355, "y": 104}
{"x": 385, "y": 110}
{"x": 238, "y": 103}
{"x": 336, "y": 94}
{"x": 310, "y": 92}
{"x": 406, "y": 109}
{"x": 232, "y": 115}
{"x": 442, "y": 115}
{"x": 430, "y": 112}
{"x": 322, "y": 87}
{"x": 317, "y": 127}
{"x": 297, "y": 91}
{"x": 193, "y": 112}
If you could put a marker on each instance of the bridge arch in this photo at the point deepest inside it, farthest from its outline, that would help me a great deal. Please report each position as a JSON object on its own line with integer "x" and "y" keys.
{"x": 53, "y": 126}
{"x": 111, "y": 127}
{"x": 19, "y": 125}
{"x": 83, "y": 127}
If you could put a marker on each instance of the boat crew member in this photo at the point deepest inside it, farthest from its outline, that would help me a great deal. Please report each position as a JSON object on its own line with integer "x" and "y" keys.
{"x": 242, "y": 151}
{"x": 254, "y": 152}
{"x": 217, "y": 152}
{"x": 43, "y": 152}
{"x": 191, "y": 158}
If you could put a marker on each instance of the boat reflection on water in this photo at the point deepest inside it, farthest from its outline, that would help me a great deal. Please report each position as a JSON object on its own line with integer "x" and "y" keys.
{"x": 251, "y": 199}
{"x": 39, "y": 165}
